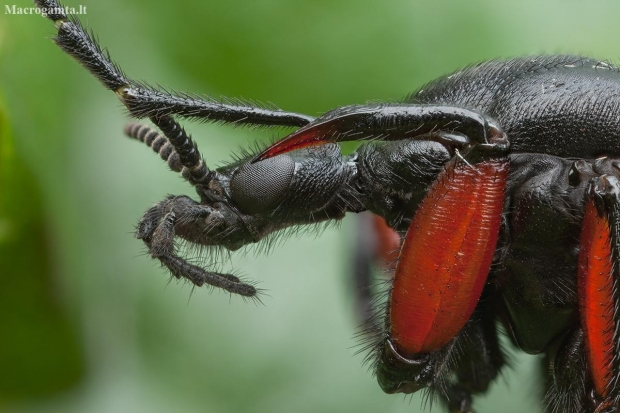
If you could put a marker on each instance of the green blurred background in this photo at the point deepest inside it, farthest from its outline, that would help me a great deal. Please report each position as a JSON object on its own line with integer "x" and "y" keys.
{"x": 89, "y": 324}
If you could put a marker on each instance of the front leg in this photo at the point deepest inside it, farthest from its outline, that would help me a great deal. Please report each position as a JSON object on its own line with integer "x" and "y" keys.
{"x": 244, "y": 203}
{"x": 144, "y": 101}
{"x": 160, "y": 225}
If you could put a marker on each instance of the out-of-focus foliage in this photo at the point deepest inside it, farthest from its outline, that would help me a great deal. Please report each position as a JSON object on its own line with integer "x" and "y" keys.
{"x": 147, "y": 345}
{"x": 40, "y": 351}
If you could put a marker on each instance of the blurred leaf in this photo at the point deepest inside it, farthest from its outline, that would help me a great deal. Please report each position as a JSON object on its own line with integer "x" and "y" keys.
{"x": 39, "y": 349}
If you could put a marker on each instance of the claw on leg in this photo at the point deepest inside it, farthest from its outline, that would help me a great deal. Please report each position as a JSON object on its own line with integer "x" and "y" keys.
{"x": 180, "y": 268}
{"x": 157, "y": 231}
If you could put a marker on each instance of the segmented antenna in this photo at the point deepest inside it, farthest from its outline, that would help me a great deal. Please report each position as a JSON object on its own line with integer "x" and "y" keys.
{"x": 157, "y": 142}
{"x": 194, "y": 166}
{"x": 196, "y": 173}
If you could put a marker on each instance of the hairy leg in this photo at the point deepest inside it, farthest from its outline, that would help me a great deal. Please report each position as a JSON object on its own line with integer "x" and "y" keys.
{"x": 144, "y": 101}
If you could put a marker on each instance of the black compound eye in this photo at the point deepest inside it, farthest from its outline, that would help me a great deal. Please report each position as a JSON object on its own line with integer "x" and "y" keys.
{"x": 258, "y": 187}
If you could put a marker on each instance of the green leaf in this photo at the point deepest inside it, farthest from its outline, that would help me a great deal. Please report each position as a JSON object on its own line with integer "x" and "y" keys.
{"x": 40, "y": 352}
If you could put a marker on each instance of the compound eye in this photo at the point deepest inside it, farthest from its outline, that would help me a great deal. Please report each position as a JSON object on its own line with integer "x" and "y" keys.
{"x": 259, "y": 187}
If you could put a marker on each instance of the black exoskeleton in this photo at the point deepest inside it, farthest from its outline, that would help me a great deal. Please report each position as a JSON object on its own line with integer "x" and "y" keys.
{"x": 502, "y": 180}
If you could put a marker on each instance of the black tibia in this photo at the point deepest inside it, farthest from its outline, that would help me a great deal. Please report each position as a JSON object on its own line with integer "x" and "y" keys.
{"x": 156, "y": 141}
{"x": 198, "y": 276}
{"x": 143, "y": 101}
{"x": 482, "y": 357}
{"x": 570, "y": 388}
{"x": 567, "y": 387}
